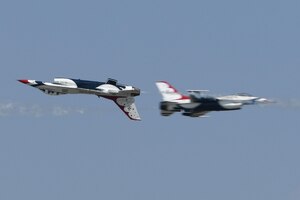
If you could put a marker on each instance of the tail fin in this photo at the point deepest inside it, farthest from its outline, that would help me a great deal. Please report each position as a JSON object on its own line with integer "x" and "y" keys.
{"x": 168, "y": 92}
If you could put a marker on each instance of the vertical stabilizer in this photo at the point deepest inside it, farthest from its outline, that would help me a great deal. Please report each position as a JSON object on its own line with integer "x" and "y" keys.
{"x": 169, "y": 93}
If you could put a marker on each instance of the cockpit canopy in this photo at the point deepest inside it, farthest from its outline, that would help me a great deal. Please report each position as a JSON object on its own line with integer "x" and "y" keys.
{"x": 244, "y": 94}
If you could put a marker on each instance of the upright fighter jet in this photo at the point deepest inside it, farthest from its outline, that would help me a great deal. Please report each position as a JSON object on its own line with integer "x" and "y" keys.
{"x": 196, "y": 105}
{"x": 122, "y": 95}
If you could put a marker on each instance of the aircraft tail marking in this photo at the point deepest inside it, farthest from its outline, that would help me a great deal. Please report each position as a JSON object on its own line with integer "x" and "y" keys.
{"x": 169, "y": 93}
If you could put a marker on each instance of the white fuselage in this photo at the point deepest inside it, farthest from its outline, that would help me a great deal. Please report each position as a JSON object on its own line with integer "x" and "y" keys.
{"x": 69, "y": 86}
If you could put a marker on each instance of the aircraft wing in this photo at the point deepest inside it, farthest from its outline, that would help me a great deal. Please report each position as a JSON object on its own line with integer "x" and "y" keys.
{"x": 127, "y": 105}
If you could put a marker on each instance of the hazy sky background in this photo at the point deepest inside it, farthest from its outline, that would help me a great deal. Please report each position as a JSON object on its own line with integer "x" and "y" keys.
{"x": 82, "y": 147}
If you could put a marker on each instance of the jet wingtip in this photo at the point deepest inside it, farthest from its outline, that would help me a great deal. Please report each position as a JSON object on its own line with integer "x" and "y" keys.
{"x": 137, "y": 119}
{"x": 134, "y": 118}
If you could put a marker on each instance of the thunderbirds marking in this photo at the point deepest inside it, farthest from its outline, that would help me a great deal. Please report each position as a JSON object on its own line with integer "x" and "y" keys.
{"x": 122, "y": 95}
{"x": 195, "y": 105}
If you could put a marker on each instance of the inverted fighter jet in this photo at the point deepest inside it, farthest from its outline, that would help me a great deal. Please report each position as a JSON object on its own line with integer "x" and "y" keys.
{"x": 122, "y": 95}
{"x": 196, "y": 105}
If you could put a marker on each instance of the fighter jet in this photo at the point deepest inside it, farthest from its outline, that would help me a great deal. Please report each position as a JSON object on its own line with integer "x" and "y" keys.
{"x": 122, "y": 95}
{"x": 197, "y": 105}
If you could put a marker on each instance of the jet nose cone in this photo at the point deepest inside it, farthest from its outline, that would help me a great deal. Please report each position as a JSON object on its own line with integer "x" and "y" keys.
{"x": 265, "y": 101}
{"x": 24, "y": 81}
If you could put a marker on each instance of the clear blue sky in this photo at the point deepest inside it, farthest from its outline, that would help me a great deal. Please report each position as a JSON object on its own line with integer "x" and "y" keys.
{"x": 82, "y": 147}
